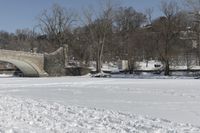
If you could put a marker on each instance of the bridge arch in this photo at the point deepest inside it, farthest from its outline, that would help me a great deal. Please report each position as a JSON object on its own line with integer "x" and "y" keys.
{"x": 25, "y": 68}
{"x": 30, "y": 64}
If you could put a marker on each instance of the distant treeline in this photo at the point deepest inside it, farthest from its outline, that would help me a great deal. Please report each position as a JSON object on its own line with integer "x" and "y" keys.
{"x": 114, "y": 33}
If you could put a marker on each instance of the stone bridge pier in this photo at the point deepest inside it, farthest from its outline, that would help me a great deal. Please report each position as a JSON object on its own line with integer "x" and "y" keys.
{"x": 30, "y": 64}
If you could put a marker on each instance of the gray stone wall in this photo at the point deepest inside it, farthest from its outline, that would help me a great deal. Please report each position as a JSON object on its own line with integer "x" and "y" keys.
{"x": 77, "y": 71}
{"x": 54, "y": 63}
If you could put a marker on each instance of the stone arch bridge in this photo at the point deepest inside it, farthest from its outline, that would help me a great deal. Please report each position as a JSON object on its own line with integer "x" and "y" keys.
{"x": 30, "y": 64}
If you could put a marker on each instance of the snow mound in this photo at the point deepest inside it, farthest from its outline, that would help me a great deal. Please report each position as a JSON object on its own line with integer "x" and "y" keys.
{"x": 101, "y": 75}
{"x": 5, "y": 75}
{"x": 19, "y": 115}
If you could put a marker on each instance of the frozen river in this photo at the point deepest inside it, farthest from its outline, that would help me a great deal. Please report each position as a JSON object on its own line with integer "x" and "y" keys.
{"x": 177, "y": 100}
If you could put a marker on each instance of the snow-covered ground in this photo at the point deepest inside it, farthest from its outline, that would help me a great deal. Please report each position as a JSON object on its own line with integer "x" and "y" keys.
{"x": 141, "y": 65}
{"x": 95, "y": 105}
{"x": 26, "y": 115}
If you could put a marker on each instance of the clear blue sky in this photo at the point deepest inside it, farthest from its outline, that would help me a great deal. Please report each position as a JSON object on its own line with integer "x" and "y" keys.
{"x": 18, "y": 14}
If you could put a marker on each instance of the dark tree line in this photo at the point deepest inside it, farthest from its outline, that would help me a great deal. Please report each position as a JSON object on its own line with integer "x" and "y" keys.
{"x": 114, "y": 33}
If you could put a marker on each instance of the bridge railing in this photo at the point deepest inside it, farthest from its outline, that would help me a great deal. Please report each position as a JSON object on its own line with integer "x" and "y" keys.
{"x": 21, "y": 53}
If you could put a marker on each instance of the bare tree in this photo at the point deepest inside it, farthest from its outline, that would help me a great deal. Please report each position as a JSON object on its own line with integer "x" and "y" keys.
{"x": 55, "y": 23}
{"x": 128, "y": 22}
{"x": 149, "y": 12}
{"x": 168, "y": 29}
{"x": 99, "y": 31}
{"x": 194, "y": 7}
{"x": 81, "y": 46}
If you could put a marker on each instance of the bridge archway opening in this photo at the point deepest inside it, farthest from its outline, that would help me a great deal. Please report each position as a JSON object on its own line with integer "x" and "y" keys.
{"x": 18, "y": 73}
{"x": 7, "y": 69}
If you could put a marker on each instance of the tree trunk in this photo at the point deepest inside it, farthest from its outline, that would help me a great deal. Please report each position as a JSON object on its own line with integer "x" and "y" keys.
{"x": 98, "y": 62}
{"x": 65, "y": 52}
{"x": 130, "y": 66}
{"x": 147, "y": 63}
{"x": 167, "y": 70}
{"x": 98, "y": 65}
{"x": 100, "y": 54}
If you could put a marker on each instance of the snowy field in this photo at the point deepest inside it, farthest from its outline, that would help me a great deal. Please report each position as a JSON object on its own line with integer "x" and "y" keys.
{"x": 81, "y": 104}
